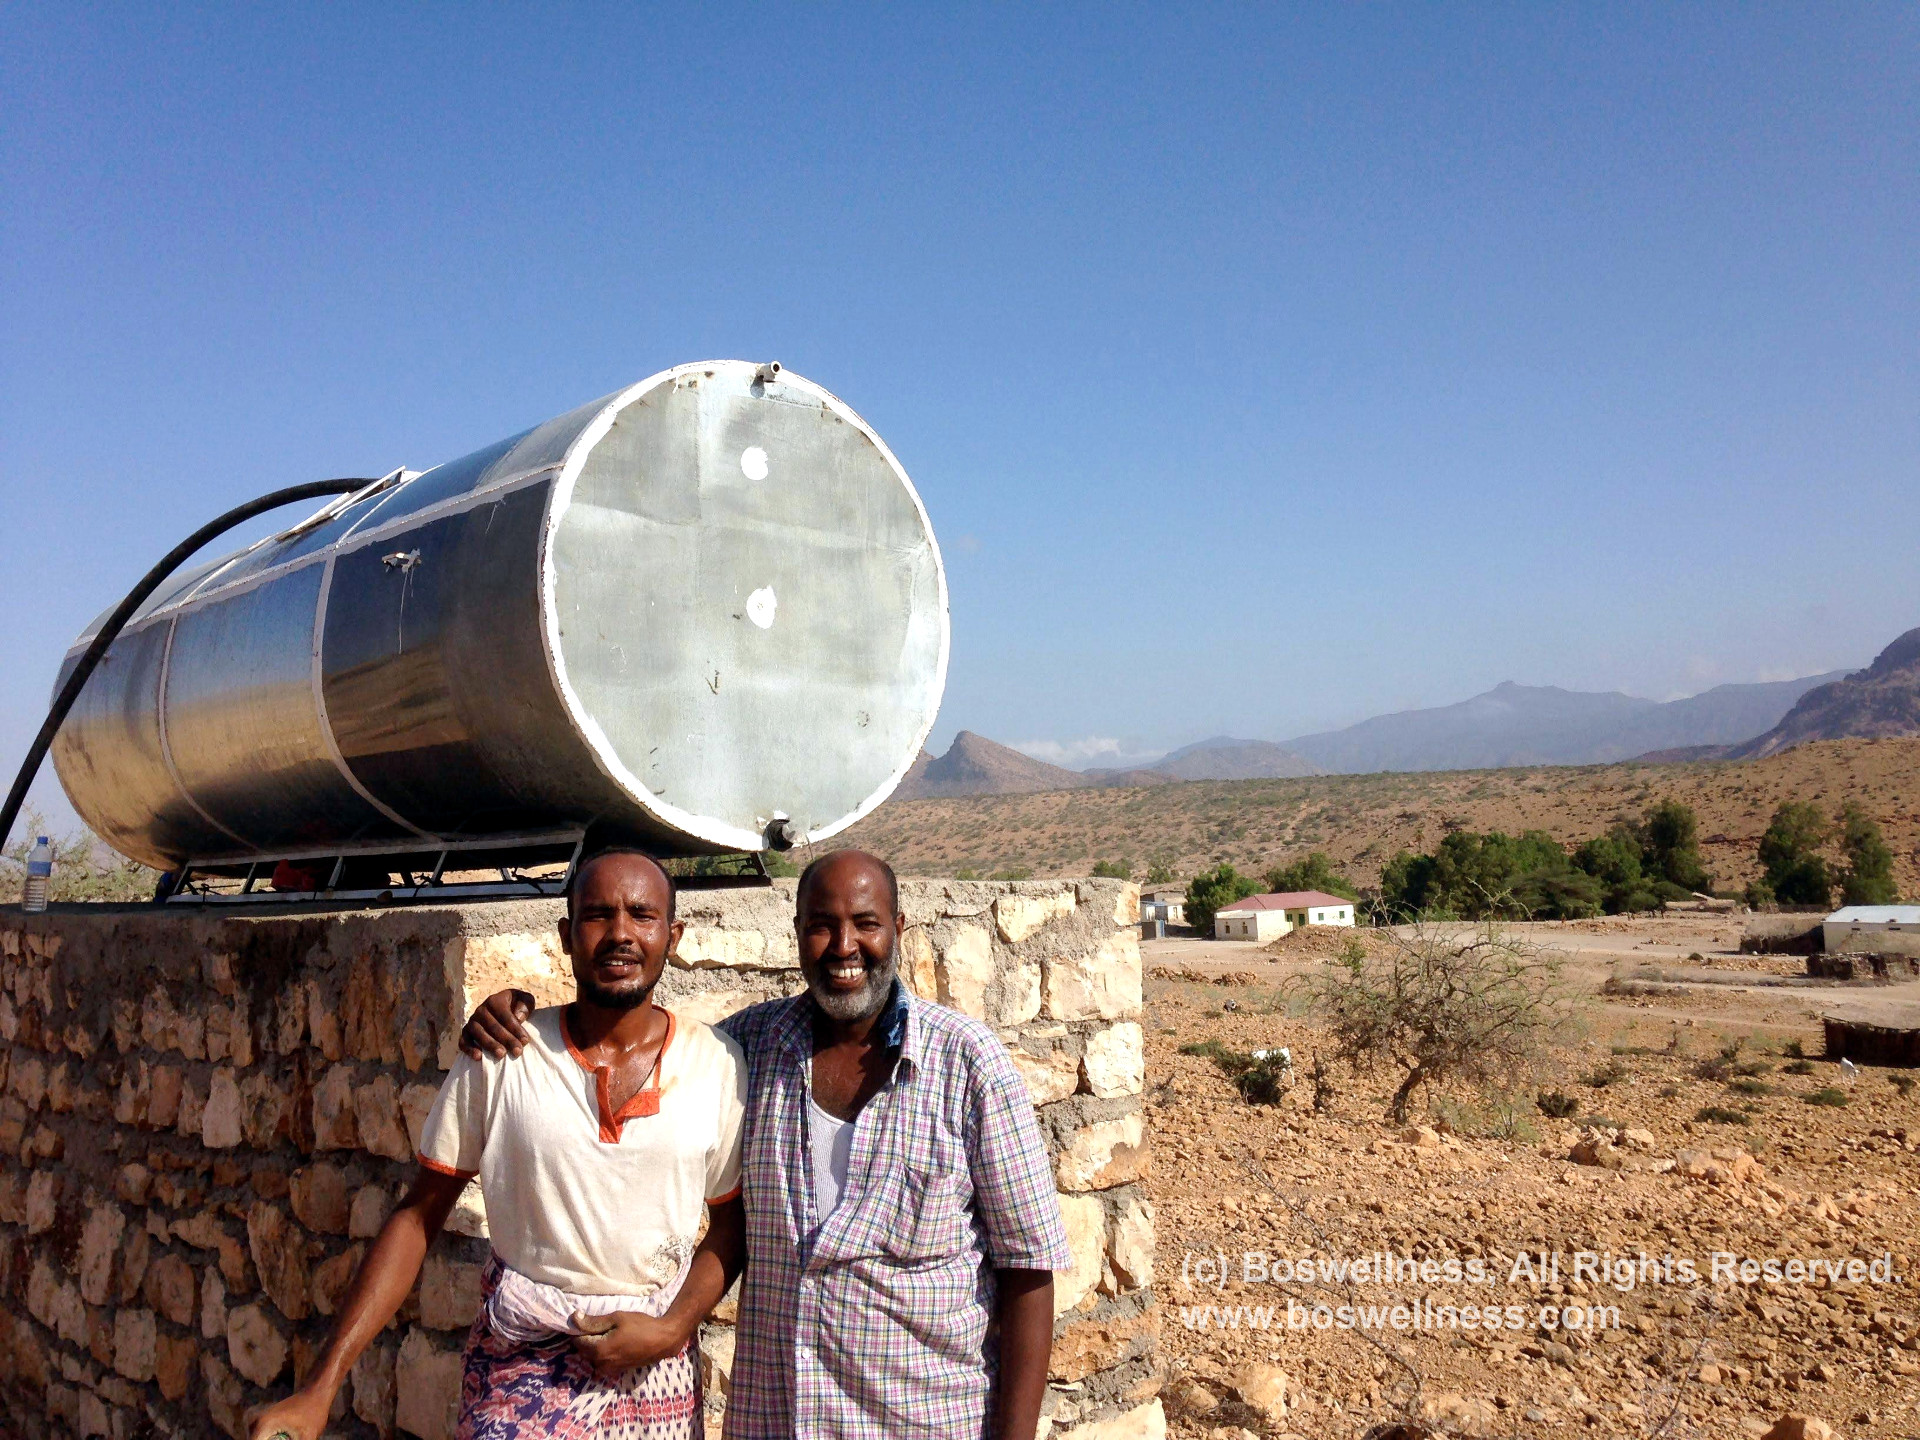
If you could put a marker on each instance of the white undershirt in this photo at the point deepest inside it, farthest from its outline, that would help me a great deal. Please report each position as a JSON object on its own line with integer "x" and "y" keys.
{"x": 832, "y": 1140}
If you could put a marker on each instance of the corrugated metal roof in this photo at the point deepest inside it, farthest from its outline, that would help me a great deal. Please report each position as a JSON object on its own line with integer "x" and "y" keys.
{"x": 1876, "y": 915}
{"x": 1285, "y": 900}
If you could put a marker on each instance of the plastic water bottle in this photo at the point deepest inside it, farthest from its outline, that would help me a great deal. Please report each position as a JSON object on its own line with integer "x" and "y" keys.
{"x": 39, "y": 875}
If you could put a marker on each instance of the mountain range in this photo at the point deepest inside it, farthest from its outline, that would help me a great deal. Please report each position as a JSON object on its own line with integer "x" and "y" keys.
{"x": 1510, "y": 725}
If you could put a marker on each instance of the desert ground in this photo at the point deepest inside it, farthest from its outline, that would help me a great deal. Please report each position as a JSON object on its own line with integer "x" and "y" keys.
{"x": 1655, "y": 1003}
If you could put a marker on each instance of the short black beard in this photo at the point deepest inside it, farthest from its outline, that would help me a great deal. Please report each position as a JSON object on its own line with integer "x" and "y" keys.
{"x": 605, "y": 999}
{"x": 846, "y": 1009}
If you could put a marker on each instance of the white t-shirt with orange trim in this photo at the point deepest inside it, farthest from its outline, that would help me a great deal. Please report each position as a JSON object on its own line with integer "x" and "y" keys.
{"x": 577, "y": 1197}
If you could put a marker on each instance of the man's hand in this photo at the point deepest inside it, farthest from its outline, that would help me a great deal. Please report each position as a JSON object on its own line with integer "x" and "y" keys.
{"x": 498, "y": 1026}
{"x": 614, "y": 1344}
{"x": 301, "y": 1416}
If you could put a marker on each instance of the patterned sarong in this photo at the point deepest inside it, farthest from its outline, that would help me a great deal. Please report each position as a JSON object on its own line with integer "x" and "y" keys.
{"x": 537, "y": 1391}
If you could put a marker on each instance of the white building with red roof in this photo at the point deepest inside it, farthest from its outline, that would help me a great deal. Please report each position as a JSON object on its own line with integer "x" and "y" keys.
{"x": 1262, "y": 917}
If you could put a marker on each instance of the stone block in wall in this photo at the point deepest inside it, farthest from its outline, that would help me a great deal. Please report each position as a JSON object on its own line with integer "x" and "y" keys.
{"x": 1103, "y": 1154}
{"x": 1049, "y": 1077}
{"x": 220, "y": 1121}
{"x": 381, "y": 1126}
{"x": 1018, "y": 915}
{"x": 965, "y": 970}
{"x": 99, "y": 1241}
{"x": 173, "y": 1358}
{"x": 226, "y": 1396}
{"x": 279, "y": 1250}
{"x": 135, "y": 1341}
{"x": 332, "y": 1277}
{"x": 1103, "y": 985}
{"x": 320, "y": 1198}
{"x": 1115, "y": 1060}
{"x": 169, "y": 1288}
{"x": 1132, "y": 1248}
{"x": 256, "y": 1345}
{"x": 43, "y": 1198}
{"x": 416, "y": 1104}
{"x": 917, "y": 966}
{"x": 1085, "y": 1218}
{"x": 163, "y": 1097}
{"x": 334, "y": 1123}
{"x": 426, "y": 1387}
{"x": 373, "y": 1386}
{"x": 449, "y": 1292}
{"x": 1088, "y": 1346}
{"x": 371, "y": 1206}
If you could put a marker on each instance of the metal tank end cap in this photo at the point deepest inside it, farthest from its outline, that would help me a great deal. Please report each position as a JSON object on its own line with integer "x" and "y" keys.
{"x": 779, "y": 833}
{"x": 767, "y": 373}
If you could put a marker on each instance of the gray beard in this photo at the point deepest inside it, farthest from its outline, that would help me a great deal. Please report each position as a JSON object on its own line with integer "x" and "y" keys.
{"x": 858, "y": 1006}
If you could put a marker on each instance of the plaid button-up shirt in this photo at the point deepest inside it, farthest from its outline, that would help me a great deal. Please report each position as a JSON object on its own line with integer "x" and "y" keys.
{"x": 873, "y": 1325}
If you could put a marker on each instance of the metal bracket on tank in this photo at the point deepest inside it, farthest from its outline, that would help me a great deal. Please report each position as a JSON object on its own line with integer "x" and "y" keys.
{"x": 427, "y": 874}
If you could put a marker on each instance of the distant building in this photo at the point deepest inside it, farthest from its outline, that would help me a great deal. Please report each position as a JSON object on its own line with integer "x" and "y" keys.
{"x": 1262, "y": 917}
{"x": 1873, "y": 930}
{"x": 1165, "y": 903}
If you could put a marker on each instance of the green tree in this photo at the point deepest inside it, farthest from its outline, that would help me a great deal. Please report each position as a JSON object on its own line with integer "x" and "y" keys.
{"x": 1312, "y": 872}
{"x": 1160, "y": 873}
{"x": 1404, "y": 883}
{"x": 1670, "y": 847}
{"x": 1796, "y": 872}
{"x": 1211, "y": 889}
{"x": 1112, "y": 869}
{"x": 1614, "y": 860}
{"x": 1868, "y": 878}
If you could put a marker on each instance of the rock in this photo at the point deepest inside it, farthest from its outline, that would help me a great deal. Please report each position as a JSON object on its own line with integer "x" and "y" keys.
{"x": 255, "y": 1345}
{"x": 1710, "y": 1375}
{"x": 373, "y": 1397}
{"x": 279, "y": 1250}
{"x": 334, "y": 1126}
{"x": 716, "y": 1360}
{"x": 1018, "y": 916}
{"x": 1115, "y": 1062}
{"x": 169, "y": 1288}
{"x": 376, "y": 1113}
{"x": 332, "y": 1277}
{"x": 1594, "y": 1148}
{"x": 1799, "y": 1427}
{"x": 99, "y": 1240}
{"x": 1085, "y": 1218}
{"x": 449, "y": 1293}
{"x": 1103, "y": 1154}
{"x": 220, "y": 1122}
{"x": 1263, "y": 1388}
{"x": 323, "y": 1022}
{"x": 264, "y": 1110}
{"x": 1131, "y": 1252}
{"x": 708, "y": 947}
{"x": 1422, "y": 1137}
{"x": 1049, "y": 1077}
{"x": 1105, "y": 985}
{"x": 371, "y": 1204}
{"x": 135, "y": 1338}
{"x": 1019, "y": 994}
{"x": 319, "y": 1196}
{"x": 917, "y": 963}
{"x": 1459, "y": 1414}
{"x": 163, "y": 1097}
{"x": 1144, "y": 1422}
{"x": 1187, "y": 1399}
{"x": 1086, "y": 1347}
{"x": 173, "y": 1364}
{"x": 1823, "y": 1373}
{"x": 43, "y": 1198}
{"x": 966, "y": 969}
{"x": 1640, "y": 1141}
{"x": 213, "y": 1305}
{"x": 426, "y": 1388}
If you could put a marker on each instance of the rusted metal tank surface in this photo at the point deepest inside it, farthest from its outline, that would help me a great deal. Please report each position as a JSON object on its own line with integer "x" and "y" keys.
{"x": 700, "y": 607}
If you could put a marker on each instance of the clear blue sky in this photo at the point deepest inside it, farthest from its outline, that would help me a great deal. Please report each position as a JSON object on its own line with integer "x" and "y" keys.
{"x": 1262, "y": 369}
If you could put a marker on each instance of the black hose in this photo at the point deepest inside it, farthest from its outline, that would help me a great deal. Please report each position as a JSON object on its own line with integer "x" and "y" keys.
{"x": 123, "y": 612}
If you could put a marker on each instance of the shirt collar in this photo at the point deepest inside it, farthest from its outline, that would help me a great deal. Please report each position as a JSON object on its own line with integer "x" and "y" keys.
{"x": 895, "y": 1028}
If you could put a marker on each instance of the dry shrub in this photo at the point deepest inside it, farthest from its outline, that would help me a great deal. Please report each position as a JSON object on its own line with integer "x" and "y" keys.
{"x": 1440, "y": 1006}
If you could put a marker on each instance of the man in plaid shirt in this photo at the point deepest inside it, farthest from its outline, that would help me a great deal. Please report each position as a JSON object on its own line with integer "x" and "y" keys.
{"x": 902, "y": 1223}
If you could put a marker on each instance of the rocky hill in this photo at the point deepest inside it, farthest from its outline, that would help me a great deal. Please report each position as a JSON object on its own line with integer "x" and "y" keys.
{"x": 1224, "y": 758}
{"x": 1881, "y": 700}
{"x": 1360, "y": 820}
{"x": 975, "y": 765}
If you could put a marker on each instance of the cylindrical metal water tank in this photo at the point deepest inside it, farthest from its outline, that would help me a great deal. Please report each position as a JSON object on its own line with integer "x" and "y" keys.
{"x": 694, "y": 607}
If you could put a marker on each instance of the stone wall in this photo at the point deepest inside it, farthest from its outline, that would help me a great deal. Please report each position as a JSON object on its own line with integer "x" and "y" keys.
{"x": 204, "y": 1118}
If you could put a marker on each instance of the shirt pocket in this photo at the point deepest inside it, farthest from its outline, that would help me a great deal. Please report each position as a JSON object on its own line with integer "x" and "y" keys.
{"x": 932, "y": 1219}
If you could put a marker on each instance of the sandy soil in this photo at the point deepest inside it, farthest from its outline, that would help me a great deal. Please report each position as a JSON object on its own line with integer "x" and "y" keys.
{"x": 1492, "y": 1181}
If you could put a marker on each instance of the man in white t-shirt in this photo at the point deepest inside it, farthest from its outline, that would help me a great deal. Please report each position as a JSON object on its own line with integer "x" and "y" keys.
{"x": 597, "y": 1156}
